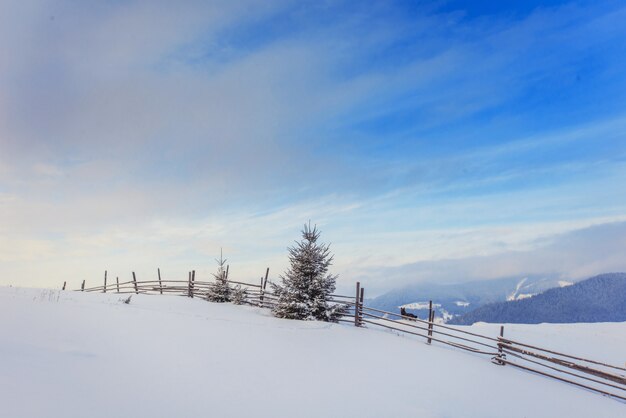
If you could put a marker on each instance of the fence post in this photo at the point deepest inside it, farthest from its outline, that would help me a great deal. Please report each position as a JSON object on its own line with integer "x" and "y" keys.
{"x": 262, "y": 292}
{"x": 262, "y": 288}
{"x": 135, "y": 283}
{"x": 82, "y": 286}
{"x": 227, "y": 267}
{"x": 160, "y": 285}
{"x": 117, "y": 283}
{"x": 64, "y": 283}
{"x": 267, "y": 273}
{"x": 500, "y": 354}
{"x": 498, "y": 359}
{"x": 193, "y": 282}
{"x": 357, "y": 321}
{"x": 431, "y": 318}
{"x": 104, "y": 290}
{"x": 362, "y": 298}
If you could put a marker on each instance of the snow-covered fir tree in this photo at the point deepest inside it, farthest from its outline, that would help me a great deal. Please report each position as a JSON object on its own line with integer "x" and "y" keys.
{"x": 307, "y": 286}
{"x": 238, "y": 295}
{"x": 219, "y": 291}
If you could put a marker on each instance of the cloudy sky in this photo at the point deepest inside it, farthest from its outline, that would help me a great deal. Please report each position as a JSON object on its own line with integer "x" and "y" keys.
{"x": 429, "y": 140}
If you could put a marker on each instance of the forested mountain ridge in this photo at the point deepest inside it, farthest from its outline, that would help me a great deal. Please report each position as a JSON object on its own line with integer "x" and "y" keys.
{"x": 461, "y": 298}
{"x": 598, "y": 299}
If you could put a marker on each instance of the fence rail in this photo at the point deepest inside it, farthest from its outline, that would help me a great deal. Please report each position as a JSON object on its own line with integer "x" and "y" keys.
{"x": 593, "y": 375}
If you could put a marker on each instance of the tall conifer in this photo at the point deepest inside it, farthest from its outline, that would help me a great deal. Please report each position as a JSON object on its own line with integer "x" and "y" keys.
{"x": 307, "y": 286}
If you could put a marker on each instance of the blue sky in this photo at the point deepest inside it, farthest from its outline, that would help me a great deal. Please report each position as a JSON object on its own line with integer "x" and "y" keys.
{"x": 136, "y": 135}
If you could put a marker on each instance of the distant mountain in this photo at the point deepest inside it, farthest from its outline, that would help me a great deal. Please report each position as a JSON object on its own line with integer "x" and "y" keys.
{"x": 598, "y": 299}
{"x": 457, "y": 299}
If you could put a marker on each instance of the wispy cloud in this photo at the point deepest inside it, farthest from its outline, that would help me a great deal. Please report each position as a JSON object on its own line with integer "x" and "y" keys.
{"x": 575, "y": 254}
{"x": 141, "y": 133}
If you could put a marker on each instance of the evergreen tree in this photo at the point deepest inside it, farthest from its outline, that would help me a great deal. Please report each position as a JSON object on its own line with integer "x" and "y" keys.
{"x": 219, "y": 291}
{"x": 307, "y": 286}
{"x": 238, "y": 295}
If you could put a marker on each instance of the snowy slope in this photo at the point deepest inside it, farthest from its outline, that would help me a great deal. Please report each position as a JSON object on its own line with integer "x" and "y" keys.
{"x": 70, "y": 354}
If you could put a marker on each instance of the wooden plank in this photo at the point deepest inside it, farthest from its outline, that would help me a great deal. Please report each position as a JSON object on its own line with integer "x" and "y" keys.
{"x": 579, "y": 376}
{"x": 426, "y": 322}
{"x": 564, "y": 380}
{"x": 425, "y": 328}
{"x": 508, "y": 341}
{"x": 243, "y": 284}
{"x": 456, "y": 345}
{"x": 599, "y": 373}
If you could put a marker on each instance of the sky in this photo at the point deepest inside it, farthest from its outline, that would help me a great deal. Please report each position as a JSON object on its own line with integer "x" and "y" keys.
{"x": 440, "y": 141}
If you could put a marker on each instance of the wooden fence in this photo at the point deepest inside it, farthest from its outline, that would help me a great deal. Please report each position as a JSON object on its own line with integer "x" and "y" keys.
{"x": 596, "y": 376}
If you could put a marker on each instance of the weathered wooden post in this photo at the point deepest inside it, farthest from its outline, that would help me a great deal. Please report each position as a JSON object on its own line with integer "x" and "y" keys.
{"x": 431, "y": 318}
{"x": 227, "y": 267}
{"x": 82, "y": 286}
{"x": 193, "y": 281}
{"x": 160, "y": 284}
{"x": 104, "y": 289}
{"x": 500, "y": 342}
{"x": 189, "y": 285}
{"x": 267, "y": 273}
{"x": 135, "y": 283}
{"x": 498, "y": 359}
{"x": 261, "y": 293}
{"x": 117, "y": 283}
{"x": 430, "y": 309}
{"x": 362, "y": 299}
{"x": 357, "y": 321}
{"x": 64, "y": 283}
{"x": 262, "y": 288}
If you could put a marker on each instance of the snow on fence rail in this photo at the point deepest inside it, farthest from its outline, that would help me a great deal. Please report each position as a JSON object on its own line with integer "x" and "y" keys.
{"x": 592, "y": 375}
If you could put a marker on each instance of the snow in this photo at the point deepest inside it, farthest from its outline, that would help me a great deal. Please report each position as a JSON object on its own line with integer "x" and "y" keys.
{"x": 461, "y": 303}
{"x": 563, "y": 283}
{"x": 73, "y": 354}
{"x": 419, "y": 305}
{"x": 514, "y": 295}
{"x": 444, "y": 317}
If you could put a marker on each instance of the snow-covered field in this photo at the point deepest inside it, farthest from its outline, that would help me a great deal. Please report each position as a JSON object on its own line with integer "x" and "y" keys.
{"x": 71, "y": 354}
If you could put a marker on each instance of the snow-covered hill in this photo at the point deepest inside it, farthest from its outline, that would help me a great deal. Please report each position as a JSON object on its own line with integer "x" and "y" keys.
{"x": 71, "y": 354}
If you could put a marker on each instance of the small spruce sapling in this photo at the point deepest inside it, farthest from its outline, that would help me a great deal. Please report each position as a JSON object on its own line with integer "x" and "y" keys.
{"x": 238, "y": 295}
{"x": 307, "y": 286}
{"x": 220, "y": 291}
